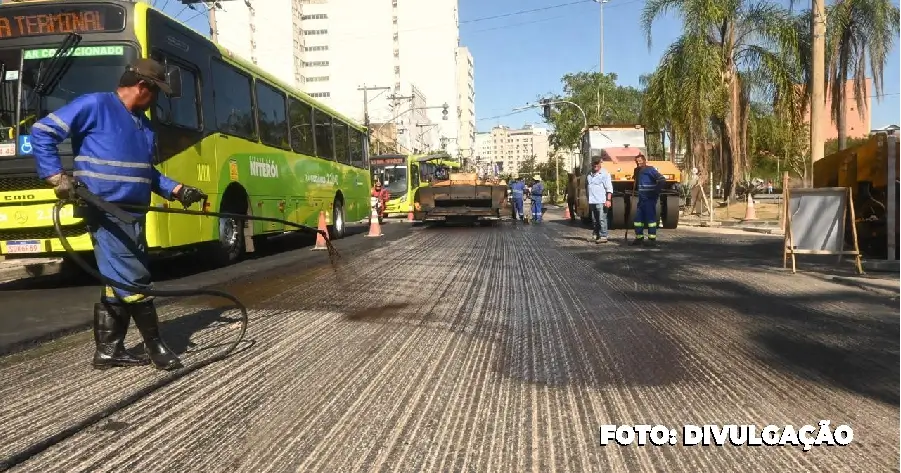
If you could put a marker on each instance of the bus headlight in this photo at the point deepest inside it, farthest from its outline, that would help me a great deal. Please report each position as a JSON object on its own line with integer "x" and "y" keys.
{"x": 403, "y": 198}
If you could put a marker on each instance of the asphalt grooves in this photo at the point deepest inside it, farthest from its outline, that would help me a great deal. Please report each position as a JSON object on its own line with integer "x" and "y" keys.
{"x": 485, "y": 349}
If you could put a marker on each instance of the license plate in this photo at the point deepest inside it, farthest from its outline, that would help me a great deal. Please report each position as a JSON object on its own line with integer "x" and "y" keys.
{"x": 23, "y": 246}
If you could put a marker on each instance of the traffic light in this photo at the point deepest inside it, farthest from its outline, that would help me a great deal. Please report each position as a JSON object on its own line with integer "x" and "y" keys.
{"x": 444, "y": 112}
{"x": 546, "y": 109}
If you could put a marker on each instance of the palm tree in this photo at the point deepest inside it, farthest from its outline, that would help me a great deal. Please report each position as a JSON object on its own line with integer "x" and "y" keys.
{"x": 857, "y": 31}
{"x": 733, "y": 49}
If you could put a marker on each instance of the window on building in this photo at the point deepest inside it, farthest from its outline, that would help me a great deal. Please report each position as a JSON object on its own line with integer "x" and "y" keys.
{"x": 341, "y": 151}
{"x": 318, "y": 16}
{"x": 181, "y": 112}
{"x": 315, "y": 63}
{"x": 397, "y": 69}
{"x": 324, "y": 144}
{"x": 315, "y": 48}
{"x": 321, "y": 95}
{"x": 301, "y": 127}
{"x": 234, "y": 106}
{"x": 317, "y": 79}
{"x": 314, "y": 32}
{"x": 273, "y": 119}
{"x": 355, "y": 148}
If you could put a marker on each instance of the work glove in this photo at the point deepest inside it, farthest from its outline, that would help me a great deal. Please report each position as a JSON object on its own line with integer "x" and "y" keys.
{"x": 188, "y": 195}
{"x": 63, "y": 186}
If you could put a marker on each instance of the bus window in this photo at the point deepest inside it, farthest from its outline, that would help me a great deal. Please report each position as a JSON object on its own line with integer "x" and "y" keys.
{"x": 234, "y": 106}
{"x": 341, "y": 154}
{"x": 301, "y": 127}
{"x": 271, "y": 111}
{"x": 355, "y": 143}
{"x": 324, "y": 143}
{"x": 180, "y": 112}
{"x": 414, "y": 175}
{"x": 395, "y": 179}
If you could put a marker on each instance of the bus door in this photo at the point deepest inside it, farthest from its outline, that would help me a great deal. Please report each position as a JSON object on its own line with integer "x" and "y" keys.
{"x": 179, "y": 152}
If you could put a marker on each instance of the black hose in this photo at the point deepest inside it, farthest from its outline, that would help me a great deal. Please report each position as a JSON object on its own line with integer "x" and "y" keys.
{"x": 84, "y": 196}
{"x": 91, "y": 199}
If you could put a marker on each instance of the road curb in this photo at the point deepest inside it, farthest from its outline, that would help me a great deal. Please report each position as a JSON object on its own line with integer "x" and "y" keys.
{"x": 862, "y": 285}
{"x": 856, "y": 282}
{"x": 11, "y": 270}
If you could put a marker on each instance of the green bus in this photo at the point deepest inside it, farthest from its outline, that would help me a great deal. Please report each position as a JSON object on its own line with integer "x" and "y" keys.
{"x": 402, "y": 175}
{"x": 254, "y": 144}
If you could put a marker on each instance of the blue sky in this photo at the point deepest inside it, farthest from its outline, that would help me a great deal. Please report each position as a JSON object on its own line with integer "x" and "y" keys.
{"x": 519, "y": 56}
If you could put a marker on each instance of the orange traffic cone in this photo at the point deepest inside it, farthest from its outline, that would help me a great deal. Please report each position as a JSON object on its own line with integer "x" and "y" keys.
{"x": 566, "y": 212}
{"x": 750, "y": 214}
{"x": 375, "y": 230}
{"x": 320, "y": 239}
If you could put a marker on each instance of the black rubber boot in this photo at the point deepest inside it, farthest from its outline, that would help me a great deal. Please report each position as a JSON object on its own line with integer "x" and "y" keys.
{"x": 110, "y": 327}
{"x": 147, "y": 321}
{"x": 637, "y": 241}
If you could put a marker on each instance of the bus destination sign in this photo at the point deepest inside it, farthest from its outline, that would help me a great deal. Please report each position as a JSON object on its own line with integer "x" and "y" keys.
{"x": 60, "y": 19}
{"x": 385, "y": 161}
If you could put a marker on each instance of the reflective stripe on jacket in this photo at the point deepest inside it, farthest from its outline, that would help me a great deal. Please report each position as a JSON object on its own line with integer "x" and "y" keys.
{"x": 113, "y": 149}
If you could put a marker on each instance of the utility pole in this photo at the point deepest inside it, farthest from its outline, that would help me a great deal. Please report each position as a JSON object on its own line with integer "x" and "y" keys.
{"x": 211, "y": 7}
{"x": 601, "y": 64}
{"x": 817, "y": 98}
{"x": 366, "y": 106}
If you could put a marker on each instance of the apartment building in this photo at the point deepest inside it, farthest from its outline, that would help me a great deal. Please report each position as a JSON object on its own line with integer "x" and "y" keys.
{"x": 333, "y": 48}
{"x": 507, "y": 148}
{"x": 466, "y": 103}
{"x": 264, "y": 33}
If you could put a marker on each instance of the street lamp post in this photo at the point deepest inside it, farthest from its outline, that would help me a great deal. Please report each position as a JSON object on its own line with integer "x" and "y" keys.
{"x": 601, "y": 3}
{"x": 546, "y": 104}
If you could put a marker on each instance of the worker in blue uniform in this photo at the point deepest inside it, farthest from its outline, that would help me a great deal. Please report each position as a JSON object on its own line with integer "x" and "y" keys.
{"x": 113, "y": 148}
{"x": 517, "y": 194}
{"x": 537, "y": 194}
{"x": 648, "y": 184}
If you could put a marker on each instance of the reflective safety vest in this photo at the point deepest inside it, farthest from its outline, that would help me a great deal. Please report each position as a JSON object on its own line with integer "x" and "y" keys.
{"x": 648, "y": 180}
{"x": 113, "y": 149}
{"x": 517, "y": 189}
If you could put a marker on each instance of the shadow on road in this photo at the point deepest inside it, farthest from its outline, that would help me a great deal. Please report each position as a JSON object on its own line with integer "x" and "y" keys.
{"x": 842, "y": 338}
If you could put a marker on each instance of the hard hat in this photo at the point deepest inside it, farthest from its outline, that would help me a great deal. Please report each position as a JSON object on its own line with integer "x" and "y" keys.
{"x": 536, "y": 177}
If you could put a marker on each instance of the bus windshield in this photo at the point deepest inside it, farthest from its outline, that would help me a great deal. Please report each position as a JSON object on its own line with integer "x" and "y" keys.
{"x": 394, "y": 178}
{"x": 92, "y": 69}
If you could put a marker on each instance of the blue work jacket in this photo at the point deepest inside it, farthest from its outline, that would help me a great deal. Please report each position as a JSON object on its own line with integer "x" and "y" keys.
{"x": 649, "y": 180}
{"x": 113, "y": 149}
{"x": 517, "y": 189}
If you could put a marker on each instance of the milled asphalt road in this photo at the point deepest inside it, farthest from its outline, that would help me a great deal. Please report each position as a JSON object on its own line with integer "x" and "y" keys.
{"x": 484, "y": 349}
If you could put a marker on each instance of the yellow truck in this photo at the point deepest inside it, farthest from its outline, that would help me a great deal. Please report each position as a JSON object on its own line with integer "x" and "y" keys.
{"x": 617, "y": 146}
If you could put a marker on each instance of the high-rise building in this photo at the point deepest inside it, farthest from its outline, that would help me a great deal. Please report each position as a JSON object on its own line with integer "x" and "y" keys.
{"x": 265, "y": 34}
{"x": 335, "y": 48}
{"x": 507, "y": 148}
{"x": 466, "y": 104}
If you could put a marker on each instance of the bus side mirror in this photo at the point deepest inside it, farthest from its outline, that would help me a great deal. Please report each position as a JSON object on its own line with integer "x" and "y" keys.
{"x": 173, "y": 78}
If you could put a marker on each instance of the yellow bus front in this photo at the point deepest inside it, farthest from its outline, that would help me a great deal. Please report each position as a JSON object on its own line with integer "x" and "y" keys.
{"x": 36, "y": 80}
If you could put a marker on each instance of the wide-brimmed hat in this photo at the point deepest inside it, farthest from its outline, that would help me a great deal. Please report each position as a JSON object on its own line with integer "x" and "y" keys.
{"x": 153, "y": 71}
{"x": 536, "y": 177}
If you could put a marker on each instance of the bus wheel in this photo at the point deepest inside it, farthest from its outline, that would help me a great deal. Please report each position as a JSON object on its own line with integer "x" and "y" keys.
{"x": 337, "y": 229}
{"x": 230, "y": 246}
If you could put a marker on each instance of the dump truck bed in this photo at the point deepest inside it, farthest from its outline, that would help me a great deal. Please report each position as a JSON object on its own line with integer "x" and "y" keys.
{"x": 463, "y": 196}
